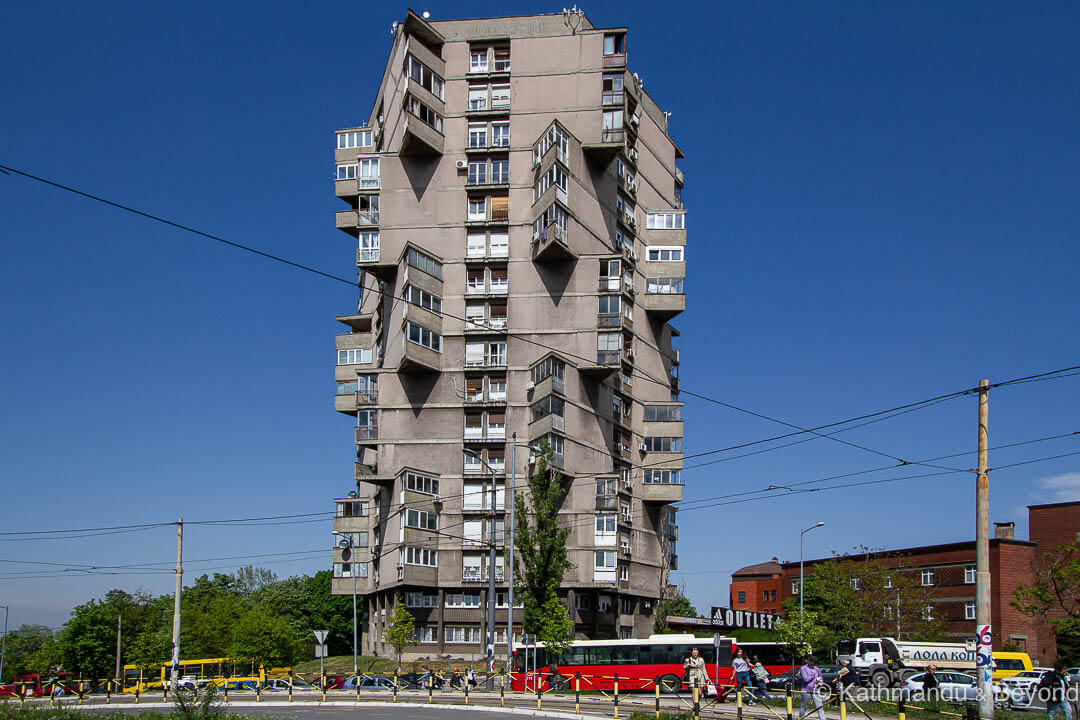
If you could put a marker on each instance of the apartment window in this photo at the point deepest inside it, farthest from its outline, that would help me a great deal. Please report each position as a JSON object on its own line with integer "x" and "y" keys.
{"x": 499, "y": 281}
{"x": 663, "y": 444}
{"x": 422, "y": 298}
{"x": 473, "y": 493}
{"x": 348, "y": 570}
{"x": 500, "y": 134}
{"x": 500, "y": 207}
{"x": 478, "y": 61}
{"x": 475, "y": 283}
{"x": 346, "y": 388}
{"x": 614, "y": 44}
{"x": 346, "y": 171}
{"x": 555, "y": 175}
{"x": 426, "y": 114}
{"x": 742, "y": 596}
{"x": 495, "y": 353}
{"x": 795, "y": 586}
{"x": 497, "y": 389}
{"x": 369, "y": 247}
{"x": 419, "y": 556}
{"x": 420, "y": 519}
{"x": 555, "y": 136}
{"x": 605, "y": 529}
{"x": 547, "y": 405}
{"x": 613, "y": 89}
{"x": 624, "y": 511}
{"x": 500, "y": 243}
{"x": 612, "y": 126}
{"x": 583, "y": 602}
{"x": 927, "y": 576}
{"x": 420, "y": 335}
{"x": 765, "y": 596}
{"x": 500, "y": 172}
{"x": 502, "y": 60}
{"x": 855, "y": 584}
{"x": 608, "y": 305}
{"x": 928, "y": 612}
{"x": 664, "y": 253}
{"x": 624, "y": 575}
{"x": 663, "y": 413}
{"x": 478, "y": 134}
{"x": 502, "y": 600}
{"x": 421, "y": 74}
{"x": 478, "y": 97}
{"x": 888, "y": 582}
{"x": 604, "y": 568}
{"x": 359, "y": 138}
{"x": 353, "y": 508}
{"x": 462, "y": 600}
{"x": 548, "y": 367}
{"x": 425, "y": 263}
{"x": 468, "y": 635}
{"x": 472, "y": 531}
{"x": 661, "y": 476}
{"x": 969, "y": 574}
{"x": 477, "y": 209}
{"x": 969, "y": 610}
{"x": 421, "y": 600}
{"x": 477, "y": 176}
{"x": 665, "y": 221}
{"x": 421, "y": 483}
{"x": 426, "y": 633}
{"x": 664, "y": 286}
{"x": 500, "y": 96}
{"x": 355, "y": 356}
{"x": 366, "y": 387}
{"x": 475, "y": 245}
{"x": 772, "y": 595}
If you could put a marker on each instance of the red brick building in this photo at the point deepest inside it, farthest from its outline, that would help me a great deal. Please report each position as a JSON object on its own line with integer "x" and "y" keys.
{"x": 949, "y": 569}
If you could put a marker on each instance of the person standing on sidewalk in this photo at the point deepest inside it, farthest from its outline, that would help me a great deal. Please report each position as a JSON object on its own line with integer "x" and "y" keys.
{"x": 695, "y": 670}
{"x": 811, "y": 681}
{"x": 761, "y": 677}
{"x": 742, "y": 674}
{"x": 1054, "y": 687}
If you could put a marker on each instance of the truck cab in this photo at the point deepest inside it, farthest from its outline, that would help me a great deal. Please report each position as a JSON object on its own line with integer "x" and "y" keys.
{"x": 866, "y": 655}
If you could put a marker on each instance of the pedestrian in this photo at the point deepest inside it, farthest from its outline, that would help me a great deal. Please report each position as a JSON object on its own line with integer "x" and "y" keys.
{"x": 930, "y": 681}
{"x": 846, "y": 677}
{"x": 761, "y": 678}
{"x": 471, "y": 675}
{"x": 810, "y": 675}
{"x": 695, "y": 670}
{"x": 1054, "y": 687}
{"x": 742, "y": 674}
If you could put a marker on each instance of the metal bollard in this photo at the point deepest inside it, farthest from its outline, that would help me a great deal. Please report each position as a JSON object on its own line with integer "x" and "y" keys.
{"x": 357, "y": 688}
{"x": 108, "y": 692}
{"x": 900, "y": 708}
{"x": 290, "y": 687}
{"x": 615, "y": 697}
{"x": 787, "y": 693}
{"x": 138, "y": 687}
{"x": 258, "y": 691}
{"x": 502, "y": 690}
{"x": 395, "y": 685}
{"x": 466, "y": 683}
{"x": 695, "y": 693}
{"x": 539, "y": 692}
{"x": 430, "y": 686}
{"x": 738, "y": 700}
{"x": 577, "y": 692}
{"x": 843, "y": 708}
{"x": 657, "y": 681}
{"x": 165, "y": 692}
{"x": 226, "y": 692}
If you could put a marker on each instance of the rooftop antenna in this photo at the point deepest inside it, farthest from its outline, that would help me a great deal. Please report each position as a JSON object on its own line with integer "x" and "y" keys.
{"x": 393, "y": 27}
{"x": 573, "y": 18}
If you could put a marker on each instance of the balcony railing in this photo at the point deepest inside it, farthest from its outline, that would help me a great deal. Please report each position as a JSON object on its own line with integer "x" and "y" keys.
{"x": 607, "y": 502}
{"x": 367, "y": 432}
{"x": 618, "y": 60}
{"x": 608, "y": 320}
{"x": 369, "y": 217}
{"x": 607, "y": 357}
{"x": 611, "y": 135}
{"x": 367, "y": 255}
{"x": 367, "y": 183}
{"x": 609, "y": 283}
{"x": 367, "y": 396}
{"x": 471, "y": 574}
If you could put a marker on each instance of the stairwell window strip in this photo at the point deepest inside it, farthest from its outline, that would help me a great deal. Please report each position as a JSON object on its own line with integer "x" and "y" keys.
{"x": 661, "y": 476}
{"x": 354, "y": 356}
{"x": 420, "y": 335}
{"x": 428, "y": 116}
{"x": 353, "y": 139}
{"x": 423, "y": 76}
{"x": 664, "y": 286}
{"x": 424, "y": 557}
{"x": 421, "y": 600}
{"x": 424, "y": 263}
{"x": 422, "y": 298}
{"x": 665, "y": 221}
{"x": 425, "y": 484}
{"x": 664, "y": 253}
{"x": 420, "y": 519}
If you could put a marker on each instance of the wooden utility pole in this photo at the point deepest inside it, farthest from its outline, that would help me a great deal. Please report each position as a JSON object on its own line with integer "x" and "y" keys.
{"x": 984, "y": 635}
{"x": 119, "y": 618}
{"x": 175, "y": 674}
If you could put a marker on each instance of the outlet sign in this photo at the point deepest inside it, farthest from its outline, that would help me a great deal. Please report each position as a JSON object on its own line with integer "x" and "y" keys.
{"x": 728, "y": 618}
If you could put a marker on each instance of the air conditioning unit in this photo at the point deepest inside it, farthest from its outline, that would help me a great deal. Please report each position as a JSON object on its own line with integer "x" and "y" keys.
{"x": 632, "y": 152}
{"x": 642, "y": 447}
{"x": 529, "y": 386}
{"x": 436, "y": 498}
{"x": 536, "y": 236}
{"x": 462, "y": 164}
{"x": 630, "y": 352}
{"x": 635, "y": 119}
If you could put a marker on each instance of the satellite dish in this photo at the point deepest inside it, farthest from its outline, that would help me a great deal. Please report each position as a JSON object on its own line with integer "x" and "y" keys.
{"x": 426, "y": 15}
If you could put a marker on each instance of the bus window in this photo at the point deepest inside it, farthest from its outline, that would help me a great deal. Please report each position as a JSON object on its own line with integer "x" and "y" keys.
{"x": 572, "y": 656}
{"x": 707, "y": 652}
{"x": 598, "y": 655}
{"x": 624, "y": 655}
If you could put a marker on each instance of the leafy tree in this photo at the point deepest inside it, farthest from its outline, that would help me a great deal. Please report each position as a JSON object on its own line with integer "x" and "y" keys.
{"x": 402, "y": 628}
{"x": 22, "y": 644}
{"x": 541, "y": 545}
{"x": 674, "y": 604}
{"x": 1054, "y": 596}
{"x": 264, "y": 639}
{"x": 801, "y": 632}
{"x": 307, "y": 604}
{"x": 88, "y": 640}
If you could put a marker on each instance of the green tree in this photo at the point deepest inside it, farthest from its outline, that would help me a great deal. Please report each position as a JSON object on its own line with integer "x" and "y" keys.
{"x": 46, "y": 658}
{"x": 264, "y": 639}
{"x": 402, "y": 628}
{"x": 22, "y": 644}
{"x": 1054, "y": 596}
{"x": 88, "y": 640}
{"x": 801, "y": 632}
{"x": 305, "y": 601}
{"x": 676, "y": 604}
{"x": 543, "y": 560}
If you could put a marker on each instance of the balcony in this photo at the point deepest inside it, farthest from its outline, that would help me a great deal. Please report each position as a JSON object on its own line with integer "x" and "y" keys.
{"x": 673, "y": 562}
{"x": 612, "y": 141}
{"x": 417, "y": 358}
{"x": 371, "y": 260}
{"x": 364, "y": 473}
{"x": 482, "y": 325}
{"x": 366, "y": 434}
{"x": 543, "y": 425}
{"x": 607, "y": 502}
{"x": 419, "y": 138}
{"x": 664, "y": 305}
{"x": 350, "y": 402}
{"x": 661, "y": 493}
{"x": 608, "y": 358}
{"x": 367, "y": 217}
{"x": 618, "y": 60}
{"x": 475, "y": 574}
{"x": 551, "y": 245}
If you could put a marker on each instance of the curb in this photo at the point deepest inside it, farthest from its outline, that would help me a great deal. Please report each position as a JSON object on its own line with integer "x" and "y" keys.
{"x": 354, "y": 705}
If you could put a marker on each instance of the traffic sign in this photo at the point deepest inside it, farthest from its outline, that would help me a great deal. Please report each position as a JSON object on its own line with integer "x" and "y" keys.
{"x": 320, "y": 635}
{"x": 320, "y": 651}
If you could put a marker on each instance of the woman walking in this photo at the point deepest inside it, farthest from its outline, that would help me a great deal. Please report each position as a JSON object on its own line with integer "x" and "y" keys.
{"x": 742, "y": 674}
{"x": 761, "y": 678}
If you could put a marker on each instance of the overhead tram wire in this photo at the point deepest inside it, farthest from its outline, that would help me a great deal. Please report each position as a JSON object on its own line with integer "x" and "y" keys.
{"x": 307, "y": 268}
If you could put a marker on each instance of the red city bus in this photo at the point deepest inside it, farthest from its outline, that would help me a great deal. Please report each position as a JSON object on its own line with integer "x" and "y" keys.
{"x": 638, "y": 662}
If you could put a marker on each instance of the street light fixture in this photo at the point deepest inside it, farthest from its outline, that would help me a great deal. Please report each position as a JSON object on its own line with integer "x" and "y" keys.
{"x": 802, "y": 536}
{"x": 347, "y": 551}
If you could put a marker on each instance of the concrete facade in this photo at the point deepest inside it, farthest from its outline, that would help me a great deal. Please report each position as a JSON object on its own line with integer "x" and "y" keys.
{"x": 520, "y": 240}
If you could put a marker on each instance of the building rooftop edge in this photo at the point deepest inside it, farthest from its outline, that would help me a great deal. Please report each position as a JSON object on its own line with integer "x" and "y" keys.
{"x": 921, "y": 549}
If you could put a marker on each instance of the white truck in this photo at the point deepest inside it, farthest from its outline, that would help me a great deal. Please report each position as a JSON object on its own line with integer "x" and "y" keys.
{"x": 882, "y": 662}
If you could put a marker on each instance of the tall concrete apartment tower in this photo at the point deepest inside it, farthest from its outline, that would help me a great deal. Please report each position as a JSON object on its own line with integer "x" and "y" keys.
{"x": 520, "y": 238}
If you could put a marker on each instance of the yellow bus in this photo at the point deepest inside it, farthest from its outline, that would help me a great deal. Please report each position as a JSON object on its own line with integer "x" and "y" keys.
{"x": 217, "y": 669}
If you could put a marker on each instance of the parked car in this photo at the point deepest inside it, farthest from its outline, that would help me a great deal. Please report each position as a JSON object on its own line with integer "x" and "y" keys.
{"x": 333, "y": 682}
{"x": 1007, "y": 664}
{"x": 792, "y": 679}
{"x": 1020, "y": 690}
{"x": 953, "y": 687}
{"x": 368, "y": 682}
{"x": 239, "y": 685}
{"x": 1074, "y": 674}
{"x": 282, "y": 685}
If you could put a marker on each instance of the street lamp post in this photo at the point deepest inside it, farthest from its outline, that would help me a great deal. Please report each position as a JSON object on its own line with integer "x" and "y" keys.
{"x": 347, "y": 552}
{"x": 802, "y": 536}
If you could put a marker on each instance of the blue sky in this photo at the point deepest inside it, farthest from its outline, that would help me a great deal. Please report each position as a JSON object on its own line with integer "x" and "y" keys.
{"x": 883, "y": 208}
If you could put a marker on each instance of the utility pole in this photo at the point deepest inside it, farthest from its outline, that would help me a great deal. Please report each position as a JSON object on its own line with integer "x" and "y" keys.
{"x": 3, "y": 642}
{"x": 491, "y": 591}
{"x": 174, "y": 676}
{"x": 984, "y": 636}
{"x": 119, "y": 618}
{"x": 509, "y": 553}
